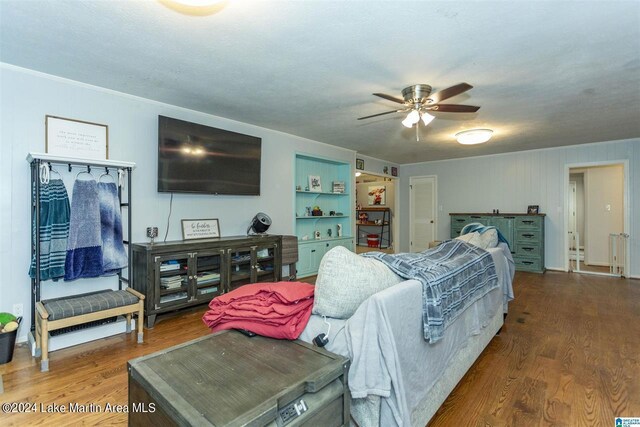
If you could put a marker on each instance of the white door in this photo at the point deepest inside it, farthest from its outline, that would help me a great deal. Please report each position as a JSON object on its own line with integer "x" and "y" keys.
{"x": 422, "y": 220}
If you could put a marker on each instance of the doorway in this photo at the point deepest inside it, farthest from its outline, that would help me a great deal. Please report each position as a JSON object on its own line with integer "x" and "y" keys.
{"x": 597, "y": 218}
{"x": 422, "y": 217}
{"x": 376, "y": 205}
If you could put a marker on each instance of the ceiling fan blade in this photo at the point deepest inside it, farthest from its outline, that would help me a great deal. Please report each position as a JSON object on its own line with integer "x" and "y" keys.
{"x": 447, "y": 93}
{"x": 454, "y": 108}
{"x": 380, "y": 114}
{"x": 390, "y": 98}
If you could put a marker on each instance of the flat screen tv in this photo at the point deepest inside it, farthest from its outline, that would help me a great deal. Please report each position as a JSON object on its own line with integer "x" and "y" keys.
{"x": 193, "y": 158}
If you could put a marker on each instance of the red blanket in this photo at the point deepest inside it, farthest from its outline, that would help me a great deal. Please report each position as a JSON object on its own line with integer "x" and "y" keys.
{"x": 277, "y": 310}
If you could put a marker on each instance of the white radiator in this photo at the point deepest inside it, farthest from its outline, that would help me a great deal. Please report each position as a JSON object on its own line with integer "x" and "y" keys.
{"x": 618, "y": 244}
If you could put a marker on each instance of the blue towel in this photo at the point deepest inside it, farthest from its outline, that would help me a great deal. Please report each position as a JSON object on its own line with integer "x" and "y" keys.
{"x": 84, "y": 250}
{"x": 480, "y": 228}
{"x": 114, "y": 256}
{"x": 53, "y": 229}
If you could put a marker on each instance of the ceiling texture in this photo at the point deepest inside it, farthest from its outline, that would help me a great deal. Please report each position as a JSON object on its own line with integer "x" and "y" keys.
{"x": 545, "y": 73}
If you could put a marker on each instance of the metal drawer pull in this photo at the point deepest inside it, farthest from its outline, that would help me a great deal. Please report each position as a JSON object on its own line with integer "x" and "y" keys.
{"x": 528, "y": 249}
{"x": 527, "y": 221}
{"x": 510, "y": 217}
{"x": 460, "y": 220}
{"x": 475, "y": 216}
{"x": 528, "y": 235}
{"x": 527, "y": 262}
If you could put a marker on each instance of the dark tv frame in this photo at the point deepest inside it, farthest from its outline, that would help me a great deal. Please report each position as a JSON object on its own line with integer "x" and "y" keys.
{"x": 221, "y": 157}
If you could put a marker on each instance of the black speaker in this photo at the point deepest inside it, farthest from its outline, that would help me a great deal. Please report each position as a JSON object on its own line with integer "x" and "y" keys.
{"x": 259, "y": 224}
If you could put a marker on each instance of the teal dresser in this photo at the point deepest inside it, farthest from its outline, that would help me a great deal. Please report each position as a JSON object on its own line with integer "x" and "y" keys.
{"x": 524, "y": 232}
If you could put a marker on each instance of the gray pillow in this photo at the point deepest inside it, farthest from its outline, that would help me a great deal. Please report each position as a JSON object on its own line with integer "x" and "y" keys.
{"x": 345, "y": 280}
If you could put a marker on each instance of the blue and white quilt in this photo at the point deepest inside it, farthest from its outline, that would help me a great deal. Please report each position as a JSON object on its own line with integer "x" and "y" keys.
{"x": 453, "y": 275}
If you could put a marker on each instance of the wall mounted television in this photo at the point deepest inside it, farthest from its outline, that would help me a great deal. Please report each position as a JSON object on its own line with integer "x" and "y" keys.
{"x": 194, "y": 158}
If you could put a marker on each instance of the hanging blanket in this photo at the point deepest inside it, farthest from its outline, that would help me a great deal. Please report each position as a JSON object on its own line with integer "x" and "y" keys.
{"x": 276, "y": 310}
{"x": 114, "y": 256}
{"x": 53, "y": 229}
{"x": 453, "y": 275}
{"x": 84, "y": 250}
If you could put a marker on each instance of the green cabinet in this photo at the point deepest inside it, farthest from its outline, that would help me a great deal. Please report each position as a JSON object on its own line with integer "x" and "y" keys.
{"x": 525, "y": 234}
{"x": 310, "y": 253}
{"x": 325, "y": 184}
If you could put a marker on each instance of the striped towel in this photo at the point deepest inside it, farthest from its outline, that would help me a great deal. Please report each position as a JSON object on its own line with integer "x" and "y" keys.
{"x": 53, "y": 229}
{"x": 84, "y": 250}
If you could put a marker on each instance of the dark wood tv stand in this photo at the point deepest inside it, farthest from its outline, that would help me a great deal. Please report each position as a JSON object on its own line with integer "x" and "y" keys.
{"x": 184, "y": 273}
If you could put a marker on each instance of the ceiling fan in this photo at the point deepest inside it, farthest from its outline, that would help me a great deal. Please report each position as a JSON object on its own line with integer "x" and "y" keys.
{"x": 418, "y": 101}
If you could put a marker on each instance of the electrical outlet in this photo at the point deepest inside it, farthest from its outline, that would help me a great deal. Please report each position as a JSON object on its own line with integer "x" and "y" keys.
{"x": 18, "y": 310}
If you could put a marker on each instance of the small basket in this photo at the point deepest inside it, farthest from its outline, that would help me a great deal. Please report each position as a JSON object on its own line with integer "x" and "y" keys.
{"x": 8, "y": 343}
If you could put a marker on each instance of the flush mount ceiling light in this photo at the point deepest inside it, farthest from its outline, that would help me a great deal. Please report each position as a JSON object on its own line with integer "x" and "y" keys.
{"x": 474, "y": 136}
{"x": 195, "y": 7}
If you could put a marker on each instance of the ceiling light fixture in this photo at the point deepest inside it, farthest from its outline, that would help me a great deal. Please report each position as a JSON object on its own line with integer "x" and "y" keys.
{"x": 197, "y": 3}
{"x": 358, "y": 173}
{"x": 474, "y": 136}
{"x": 414, "y": 118}
{"x": 196, "y": 7}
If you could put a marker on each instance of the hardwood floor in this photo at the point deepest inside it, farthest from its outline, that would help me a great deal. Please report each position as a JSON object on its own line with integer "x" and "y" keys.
{"x": 569, "y": 355}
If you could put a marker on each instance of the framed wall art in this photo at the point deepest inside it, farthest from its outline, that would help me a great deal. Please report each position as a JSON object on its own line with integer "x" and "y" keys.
{"x": 360, "y": 164}
{"x": 377, "y": 196}
{"x": 200, "y": 228}
{"x": 76, "y": 138}
{"x": 315, "y": 184}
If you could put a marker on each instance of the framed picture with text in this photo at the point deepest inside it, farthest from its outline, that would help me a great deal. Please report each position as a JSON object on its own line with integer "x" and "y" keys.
{"x": 76, "y": 138}
{"x": 360, "y": 164}
{"x": 200, "y": 228}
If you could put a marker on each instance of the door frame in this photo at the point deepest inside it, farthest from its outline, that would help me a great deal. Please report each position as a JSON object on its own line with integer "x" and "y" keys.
{"x": 626, "y": 201}
{"x": 435, "y": 207}
{"x": 395, "y": 212}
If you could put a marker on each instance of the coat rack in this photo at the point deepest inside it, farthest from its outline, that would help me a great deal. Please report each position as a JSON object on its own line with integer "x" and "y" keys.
{"x": 36, "y": 160}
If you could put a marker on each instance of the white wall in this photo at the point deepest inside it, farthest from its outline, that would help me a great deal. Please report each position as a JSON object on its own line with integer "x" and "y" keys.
{"x": 512, "y": 181}
{"x": 28, "y": 96}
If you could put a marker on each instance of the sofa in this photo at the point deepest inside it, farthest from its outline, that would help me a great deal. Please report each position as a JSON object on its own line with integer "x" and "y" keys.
{"x": 375, "y": 318}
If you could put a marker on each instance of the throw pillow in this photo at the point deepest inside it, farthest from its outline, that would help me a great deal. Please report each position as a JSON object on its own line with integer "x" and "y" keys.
{"x": 345, "y": 280}
{"x": 488, "y": 239}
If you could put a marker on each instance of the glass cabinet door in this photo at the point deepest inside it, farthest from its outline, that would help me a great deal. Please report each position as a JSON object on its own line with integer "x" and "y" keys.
{"x": 240, "y": 267}
{"x": 171, "y": 280}
{"x": 265, "y": 266}
{"x": 206, "y": 275}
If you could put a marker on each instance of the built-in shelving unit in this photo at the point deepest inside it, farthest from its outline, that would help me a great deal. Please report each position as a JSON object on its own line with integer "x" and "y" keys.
{"x": 319, "y": 233}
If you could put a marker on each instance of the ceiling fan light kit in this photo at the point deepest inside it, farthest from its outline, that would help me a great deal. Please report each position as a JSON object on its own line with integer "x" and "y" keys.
{"x": 474, "y": 136}
{"x": 418, "y": 100}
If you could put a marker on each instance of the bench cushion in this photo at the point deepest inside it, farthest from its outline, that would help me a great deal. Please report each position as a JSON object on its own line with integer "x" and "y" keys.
{"x": 60, "y": 308}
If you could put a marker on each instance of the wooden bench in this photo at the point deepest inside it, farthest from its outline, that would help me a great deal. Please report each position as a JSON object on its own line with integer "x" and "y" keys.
{"x": 78, "y": 309}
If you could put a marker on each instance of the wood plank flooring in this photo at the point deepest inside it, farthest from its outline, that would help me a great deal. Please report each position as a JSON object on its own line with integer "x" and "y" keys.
{"x": 569, "y": 355}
